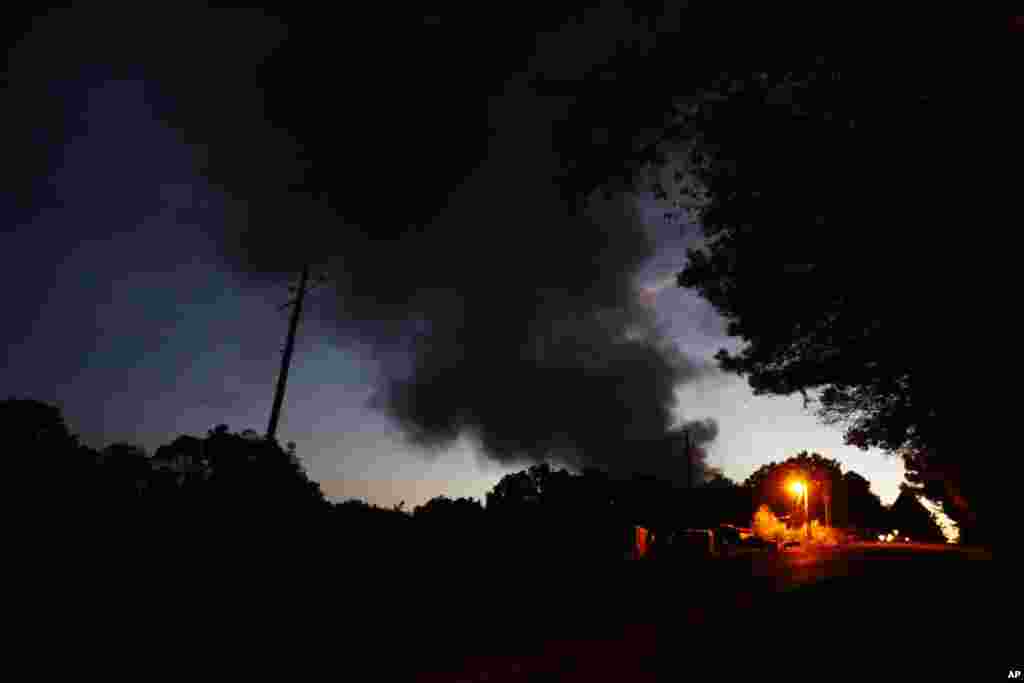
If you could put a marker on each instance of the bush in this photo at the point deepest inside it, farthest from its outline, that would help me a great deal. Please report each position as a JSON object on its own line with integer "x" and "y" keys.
{"x": 767, "y": 526}
{"x": 824, "y": 535}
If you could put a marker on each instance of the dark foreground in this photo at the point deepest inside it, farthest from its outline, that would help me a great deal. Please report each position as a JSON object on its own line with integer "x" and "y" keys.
{"x": 869, "y": 611}
{"x": 864, "y": 612}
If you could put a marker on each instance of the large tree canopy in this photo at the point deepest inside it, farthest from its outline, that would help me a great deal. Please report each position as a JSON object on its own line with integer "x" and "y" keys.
{"x": 832, "y": 186}
{"x": 770, "y": 484}
{"x": 827, "y": 251}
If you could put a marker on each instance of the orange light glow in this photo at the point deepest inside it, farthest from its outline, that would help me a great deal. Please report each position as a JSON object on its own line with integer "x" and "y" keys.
{"x": 797, "y": 487}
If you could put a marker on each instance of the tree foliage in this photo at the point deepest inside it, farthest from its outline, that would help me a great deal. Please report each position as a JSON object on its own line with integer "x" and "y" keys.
{"x": 864, "y": 509}
{"x": 234, "y": 492}
{"x": 858, "y": 292}
{"x": 225, "y": 488}
{"x": 43, "y": 450}
{"x": 817, "y": 173}
{"x": 908, "y": 516}
{"x": 846, "y": 497}
{"x": 442, "y": 509}
{"x": 767, "y": 526}
{"x": 771, "y": 483}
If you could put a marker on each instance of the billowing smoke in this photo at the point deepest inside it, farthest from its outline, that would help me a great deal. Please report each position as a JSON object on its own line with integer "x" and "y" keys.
{"x": 431, "y": 199}
{"x": 507, "y": 318}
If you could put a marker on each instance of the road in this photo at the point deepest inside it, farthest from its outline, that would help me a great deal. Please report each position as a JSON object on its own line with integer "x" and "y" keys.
{"x": 872, "y": 609}
{"x": 871, "y": 612}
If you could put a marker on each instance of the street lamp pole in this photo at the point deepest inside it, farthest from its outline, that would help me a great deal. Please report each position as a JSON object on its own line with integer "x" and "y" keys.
{"x": 807, "y": 508}
{"x": 828, "y": 509}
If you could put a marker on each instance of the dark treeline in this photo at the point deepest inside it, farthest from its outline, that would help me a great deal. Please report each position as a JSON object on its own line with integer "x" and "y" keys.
{"x": 237, "y": 492}
{"x": 224, "y": 491}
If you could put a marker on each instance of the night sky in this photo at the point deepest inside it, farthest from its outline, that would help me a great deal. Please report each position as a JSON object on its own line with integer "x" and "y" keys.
{"x": 122, "y": 309}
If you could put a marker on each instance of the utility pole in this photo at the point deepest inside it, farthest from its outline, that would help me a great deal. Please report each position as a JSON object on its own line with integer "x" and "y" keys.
{"x": 286, "y": 359}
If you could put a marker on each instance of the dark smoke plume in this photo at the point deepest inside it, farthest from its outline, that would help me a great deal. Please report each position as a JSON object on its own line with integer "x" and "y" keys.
{"x": 516, "y": 320}
{"x": 373, "y": 151}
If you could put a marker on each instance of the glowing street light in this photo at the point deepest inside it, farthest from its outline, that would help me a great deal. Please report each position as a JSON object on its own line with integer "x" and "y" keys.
{"x": 801, "y": 488}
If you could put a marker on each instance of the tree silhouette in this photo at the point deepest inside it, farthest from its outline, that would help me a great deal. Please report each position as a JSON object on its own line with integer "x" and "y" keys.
{"x": 126, "y": 471}
{"x": 854, "y": 340}
{"x": 770, "y": 485}
{"x": 719, "y": 481}
{"x": 832, "y": 294}
{"x": 444, "y": 510}
{"x": 518, "y": 490}
{"x": 862, "y": 509}
{"x": 34, "y": 426}
{"x": 556, "y": 513}
{"x": 369, "y": 533}
{"x": 960, "y": 486}
{"x": 908, "y": 516}
{"x": 234, "y": 488}
{"x": 44, "y": 451}
{"x": 452, "y": 527}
